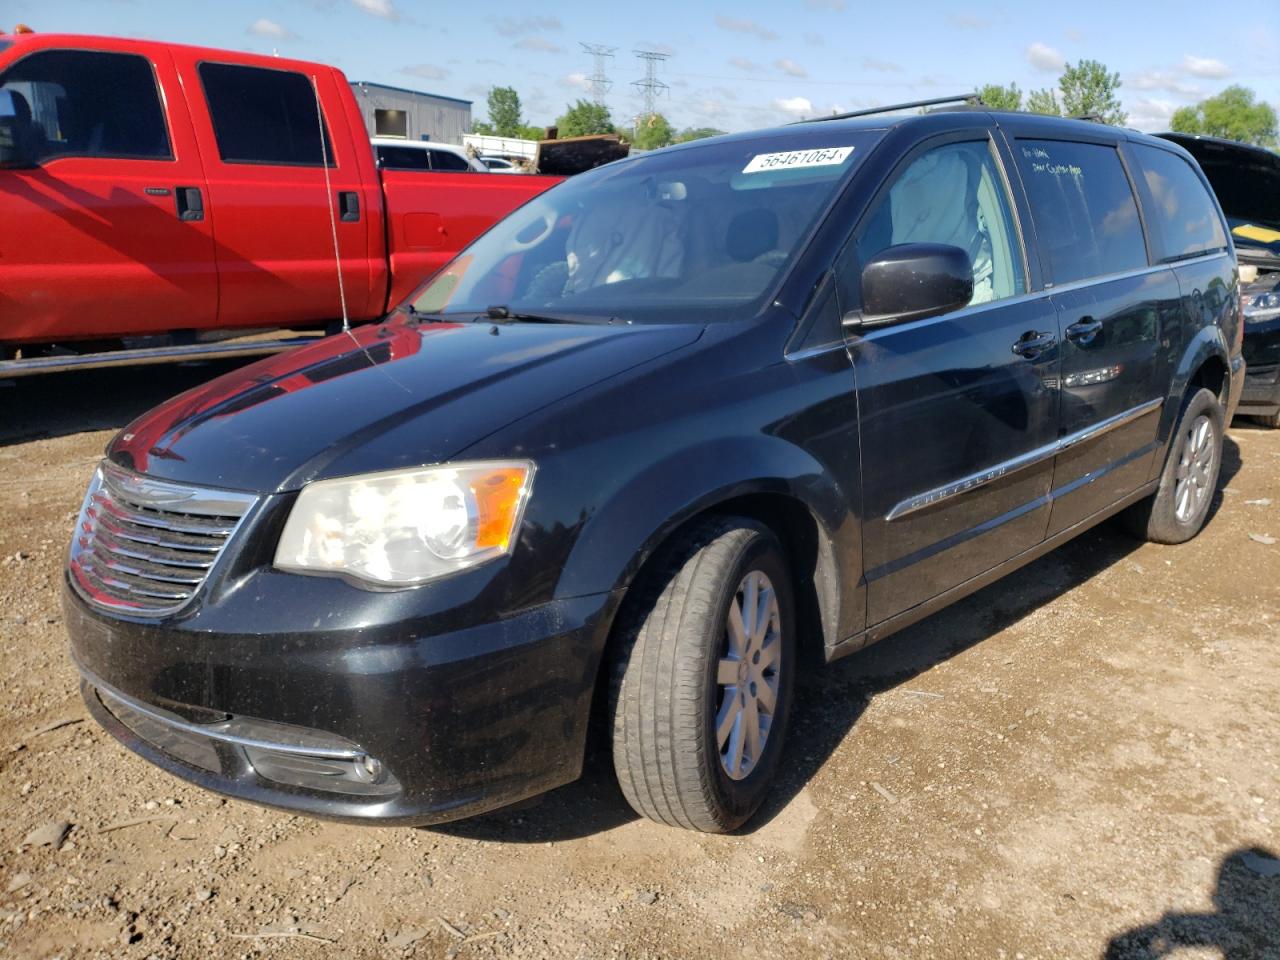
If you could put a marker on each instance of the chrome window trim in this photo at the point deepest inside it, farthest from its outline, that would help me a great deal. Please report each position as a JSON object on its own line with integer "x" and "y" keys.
{"x": 1021, "y": 462}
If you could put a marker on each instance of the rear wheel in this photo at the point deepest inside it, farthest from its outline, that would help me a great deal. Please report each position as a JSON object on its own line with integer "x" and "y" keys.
{"x": 704, "y": 678}
{"x": 1177, "y": 510}
{"x": 1271, "y": 420}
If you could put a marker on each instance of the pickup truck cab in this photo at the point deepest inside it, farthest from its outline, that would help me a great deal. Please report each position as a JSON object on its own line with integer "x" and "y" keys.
{"x": 674, "y": 424}
{"x": 152, "y": 189}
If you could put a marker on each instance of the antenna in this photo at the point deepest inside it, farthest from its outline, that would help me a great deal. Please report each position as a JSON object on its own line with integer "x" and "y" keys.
{"x": 328, "y": 195}
{"x": 650, "y": 86}
{"x": 599, "y": 82}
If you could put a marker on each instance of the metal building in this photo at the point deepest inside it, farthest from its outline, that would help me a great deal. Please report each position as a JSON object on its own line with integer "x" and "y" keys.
{"x": 397, "y": 112}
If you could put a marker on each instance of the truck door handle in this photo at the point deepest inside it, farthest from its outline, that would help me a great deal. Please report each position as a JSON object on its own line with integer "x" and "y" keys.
{"x": 1033, "y": 343}
{"x": 349, "y": 205}
{"x": 190, "y": 203}
{"x": 1084, "y": 330}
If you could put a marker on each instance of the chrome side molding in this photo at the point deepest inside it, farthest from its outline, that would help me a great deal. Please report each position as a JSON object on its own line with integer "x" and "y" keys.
{"x": 974, "y": 481}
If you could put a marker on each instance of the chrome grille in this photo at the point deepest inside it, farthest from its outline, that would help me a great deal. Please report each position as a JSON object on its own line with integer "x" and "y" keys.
{"x": 145, "y": 546}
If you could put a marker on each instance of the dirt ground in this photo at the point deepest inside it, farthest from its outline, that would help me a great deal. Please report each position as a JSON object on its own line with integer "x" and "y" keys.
{"x": 1082, "y": 760}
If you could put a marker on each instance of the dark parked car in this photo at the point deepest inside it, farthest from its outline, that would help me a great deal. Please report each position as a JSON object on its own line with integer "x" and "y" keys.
{"x": 661, "y": 431}
{"x": 1247, "y": 182}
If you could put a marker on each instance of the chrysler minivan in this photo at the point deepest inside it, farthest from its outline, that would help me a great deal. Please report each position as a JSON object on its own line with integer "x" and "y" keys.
{"x": 660, "y": 434}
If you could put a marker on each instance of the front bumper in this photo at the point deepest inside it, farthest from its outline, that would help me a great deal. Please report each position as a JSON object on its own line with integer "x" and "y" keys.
{"x": 1261, "y": 393}
{"x": 375, "y": 725}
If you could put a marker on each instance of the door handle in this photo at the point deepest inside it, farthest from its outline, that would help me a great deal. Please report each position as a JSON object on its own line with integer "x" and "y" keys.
{"x": 190, "y": 203}
{"x": 349, "y": 205}
{"x": 1033, "y": 343}
{"x": 1084, "y": 330}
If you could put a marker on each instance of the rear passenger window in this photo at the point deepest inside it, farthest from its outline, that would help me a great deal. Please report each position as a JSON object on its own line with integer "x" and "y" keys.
{"x": 1085, "y": 213}
{"x": 83, "y": 103}
{"x": 1185, "y": 220}
{"x": 264, "y": 116}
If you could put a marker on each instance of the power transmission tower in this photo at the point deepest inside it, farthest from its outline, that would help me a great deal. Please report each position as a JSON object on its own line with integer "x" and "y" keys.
{"x": 651, "y": 87}
{"x": 599, "y": 82}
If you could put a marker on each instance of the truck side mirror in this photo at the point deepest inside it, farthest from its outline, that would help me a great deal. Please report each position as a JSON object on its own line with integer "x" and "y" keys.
{"x": 16, "y": 130}
{"x": 912, "y": 281}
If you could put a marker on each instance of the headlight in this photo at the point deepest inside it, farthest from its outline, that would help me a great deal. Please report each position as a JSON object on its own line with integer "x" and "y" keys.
{"x": 406, "y": 526}
{"x": 1261, "y": 306}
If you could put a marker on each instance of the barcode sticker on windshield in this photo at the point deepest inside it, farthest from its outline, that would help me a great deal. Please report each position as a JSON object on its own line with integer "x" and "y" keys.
{"x": 793, "y": 159}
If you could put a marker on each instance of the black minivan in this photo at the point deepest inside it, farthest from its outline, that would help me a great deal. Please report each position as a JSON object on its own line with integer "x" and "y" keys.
{"x": 642, "y": 447}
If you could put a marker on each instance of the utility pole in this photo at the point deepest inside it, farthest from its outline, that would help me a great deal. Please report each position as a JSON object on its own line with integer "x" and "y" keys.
{"x": 599, "y": 82}
{"x": 651, "y": 87}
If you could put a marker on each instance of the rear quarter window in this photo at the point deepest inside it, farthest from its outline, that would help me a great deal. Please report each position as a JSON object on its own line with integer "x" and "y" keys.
{"x": 1083, "y": 205}
{"x": 1184, "y": 220}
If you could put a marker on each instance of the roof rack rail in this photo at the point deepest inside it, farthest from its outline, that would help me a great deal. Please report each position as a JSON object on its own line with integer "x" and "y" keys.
{"x": 970, "y": 98}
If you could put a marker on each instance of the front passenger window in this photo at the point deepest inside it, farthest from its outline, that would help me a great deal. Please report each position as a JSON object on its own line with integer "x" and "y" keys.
{"x": 953, "y": 194}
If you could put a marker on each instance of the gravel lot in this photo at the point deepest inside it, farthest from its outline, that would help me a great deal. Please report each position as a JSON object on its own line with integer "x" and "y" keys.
{"x": 1080, "y": 761}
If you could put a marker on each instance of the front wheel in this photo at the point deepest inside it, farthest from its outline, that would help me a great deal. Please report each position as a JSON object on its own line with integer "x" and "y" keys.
{"x": 1180, "y": 505}
{"x": 704, "y": 677}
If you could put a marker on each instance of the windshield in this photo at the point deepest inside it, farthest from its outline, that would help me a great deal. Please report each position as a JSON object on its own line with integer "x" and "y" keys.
{"x": 702, "y": 232}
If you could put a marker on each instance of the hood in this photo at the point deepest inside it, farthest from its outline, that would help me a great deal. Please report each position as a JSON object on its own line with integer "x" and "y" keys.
{"x": 376, "y": 398}
{"x": 1246, "y": 180}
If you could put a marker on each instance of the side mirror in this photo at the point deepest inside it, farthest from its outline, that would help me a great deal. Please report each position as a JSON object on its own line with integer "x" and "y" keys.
{"x": 15, "y": 131}
{"x": 913, "y": 281}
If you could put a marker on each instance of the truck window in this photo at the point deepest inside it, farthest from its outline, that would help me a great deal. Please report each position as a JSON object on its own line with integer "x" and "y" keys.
{"x": 403, "y": 158}
{"x": 444, "y": 160}
{"x": 84, "y": 103}
{"x": 264, "y": 116}
{"x": 1085, "y": 212}
{"x": 1186, "y": 223}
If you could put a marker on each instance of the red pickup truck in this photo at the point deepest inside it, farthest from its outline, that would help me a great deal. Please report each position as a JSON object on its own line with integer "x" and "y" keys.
{"x": 157, "y": 194}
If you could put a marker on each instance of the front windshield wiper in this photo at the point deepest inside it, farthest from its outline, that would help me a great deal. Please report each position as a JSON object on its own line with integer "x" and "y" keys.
{"x": 503, "y": 314}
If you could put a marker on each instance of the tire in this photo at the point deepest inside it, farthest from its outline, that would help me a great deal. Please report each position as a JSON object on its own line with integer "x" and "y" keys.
{"x": 1176, "y": 512}
{"x": 666, "y": 699}
{"x": 1271, "y": 420}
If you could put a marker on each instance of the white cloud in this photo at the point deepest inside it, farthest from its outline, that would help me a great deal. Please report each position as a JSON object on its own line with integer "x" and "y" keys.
{"x": 968, "y": 21}
{"x": 742, "y": 63}
{"x": 744, "y": 26}
{"x": 796, "y": 106}
{"x": 514, "y": 27}
{"x": 1205, "y": 67}
{"x": 427, "y": 71}
{"x": 813, "y": 39}
{"x": 538, "y": 44}
{"x": 825, "y": 4}
{"x": 385, "y": 9}
{"x": 1150, "y": 113}
{"x": 575, "y": 81}
{"x": 1165, "y": 80}
{"x": 790, "y": 67}
{"x": 262, "y": 27}
{"x": 880, "y": 66}
{"x": 1044, "y": 57}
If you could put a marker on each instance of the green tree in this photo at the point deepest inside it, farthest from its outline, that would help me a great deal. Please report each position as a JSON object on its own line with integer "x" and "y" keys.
{"x": 998, "y": 97}
{"x": 585, "y": 118}
{"x": 1234, "y": 114}
{"x": 652, "y": 132}
{"x": 504, "y": 111}
{"x": 697, "y": 133}
{"x": 1089, "y": 89}
{"x": 1044, "y": 101}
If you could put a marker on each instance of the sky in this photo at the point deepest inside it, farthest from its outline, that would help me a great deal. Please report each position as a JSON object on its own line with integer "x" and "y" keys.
{"x": 731, "y": 65}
